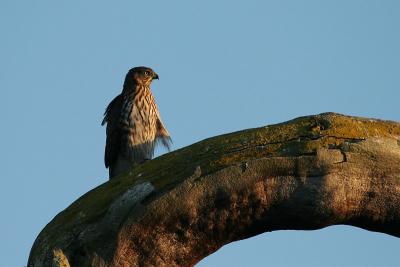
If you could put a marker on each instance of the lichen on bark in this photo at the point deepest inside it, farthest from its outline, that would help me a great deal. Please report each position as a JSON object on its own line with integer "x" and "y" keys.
{"x": 307, "y": 173}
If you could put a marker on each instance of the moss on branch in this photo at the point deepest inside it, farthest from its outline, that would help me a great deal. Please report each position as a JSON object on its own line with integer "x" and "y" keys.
{"x": 302, "y": 148}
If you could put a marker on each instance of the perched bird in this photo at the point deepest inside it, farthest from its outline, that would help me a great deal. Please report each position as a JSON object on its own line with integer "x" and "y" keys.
{"x": 134, "y": 125}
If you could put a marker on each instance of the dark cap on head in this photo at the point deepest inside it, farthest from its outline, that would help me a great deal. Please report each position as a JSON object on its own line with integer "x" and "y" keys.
{"x": 143, "y": 72}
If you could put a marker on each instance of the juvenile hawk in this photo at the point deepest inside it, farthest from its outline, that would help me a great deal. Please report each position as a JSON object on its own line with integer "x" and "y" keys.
{"x": 134, "y": 125}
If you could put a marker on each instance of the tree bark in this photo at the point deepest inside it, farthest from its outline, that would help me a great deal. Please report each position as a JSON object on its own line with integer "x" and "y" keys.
{"x": 307, "y": 173}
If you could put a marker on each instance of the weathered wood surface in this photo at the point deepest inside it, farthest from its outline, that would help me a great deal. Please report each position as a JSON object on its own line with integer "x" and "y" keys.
{"x": 307, "y": 173}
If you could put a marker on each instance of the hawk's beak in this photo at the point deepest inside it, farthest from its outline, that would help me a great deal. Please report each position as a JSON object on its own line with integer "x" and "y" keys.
{"x": 155, "y": 77}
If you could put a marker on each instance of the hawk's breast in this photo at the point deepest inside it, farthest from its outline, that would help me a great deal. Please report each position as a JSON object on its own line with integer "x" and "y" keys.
{"x": 143, "y": 117}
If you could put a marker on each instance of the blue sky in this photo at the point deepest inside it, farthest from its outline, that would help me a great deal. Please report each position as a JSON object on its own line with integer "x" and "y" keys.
{"x": 223, "y": 66}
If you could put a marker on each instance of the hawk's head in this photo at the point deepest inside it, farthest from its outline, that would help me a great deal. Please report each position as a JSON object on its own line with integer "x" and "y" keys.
{"x": 140, "y": 75}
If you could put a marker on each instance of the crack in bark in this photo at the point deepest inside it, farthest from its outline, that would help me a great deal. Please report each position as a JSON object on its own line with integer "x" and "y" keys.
{"x": 299, "y": 139}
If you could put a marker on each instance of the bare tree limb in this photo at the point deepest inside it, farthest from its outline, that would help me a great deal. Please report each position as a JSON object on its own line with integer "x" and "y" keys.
{"x": 307, "y": 173}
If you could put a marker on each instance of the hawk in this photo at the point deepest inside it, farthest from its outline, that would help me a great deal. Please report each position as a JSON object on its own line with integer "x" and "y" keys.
{"x": 134, "y": 125}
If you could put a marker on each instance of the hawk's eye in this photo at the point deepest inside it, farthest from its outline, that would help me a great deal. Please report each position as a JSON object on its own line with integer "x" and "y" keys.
{"x": 147, "y": 73}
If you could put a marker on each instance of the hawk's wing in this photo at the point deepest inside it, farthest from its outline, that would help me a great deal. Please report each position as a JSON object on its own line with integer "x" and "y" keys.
{"x": 113, "y": 142}
{"x": 162, "y": 135}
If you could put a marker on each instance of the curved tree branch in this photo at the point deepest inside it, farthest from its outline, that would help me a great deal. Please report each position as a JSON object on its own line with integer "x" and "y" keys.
{"x": 307, "y": 173}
